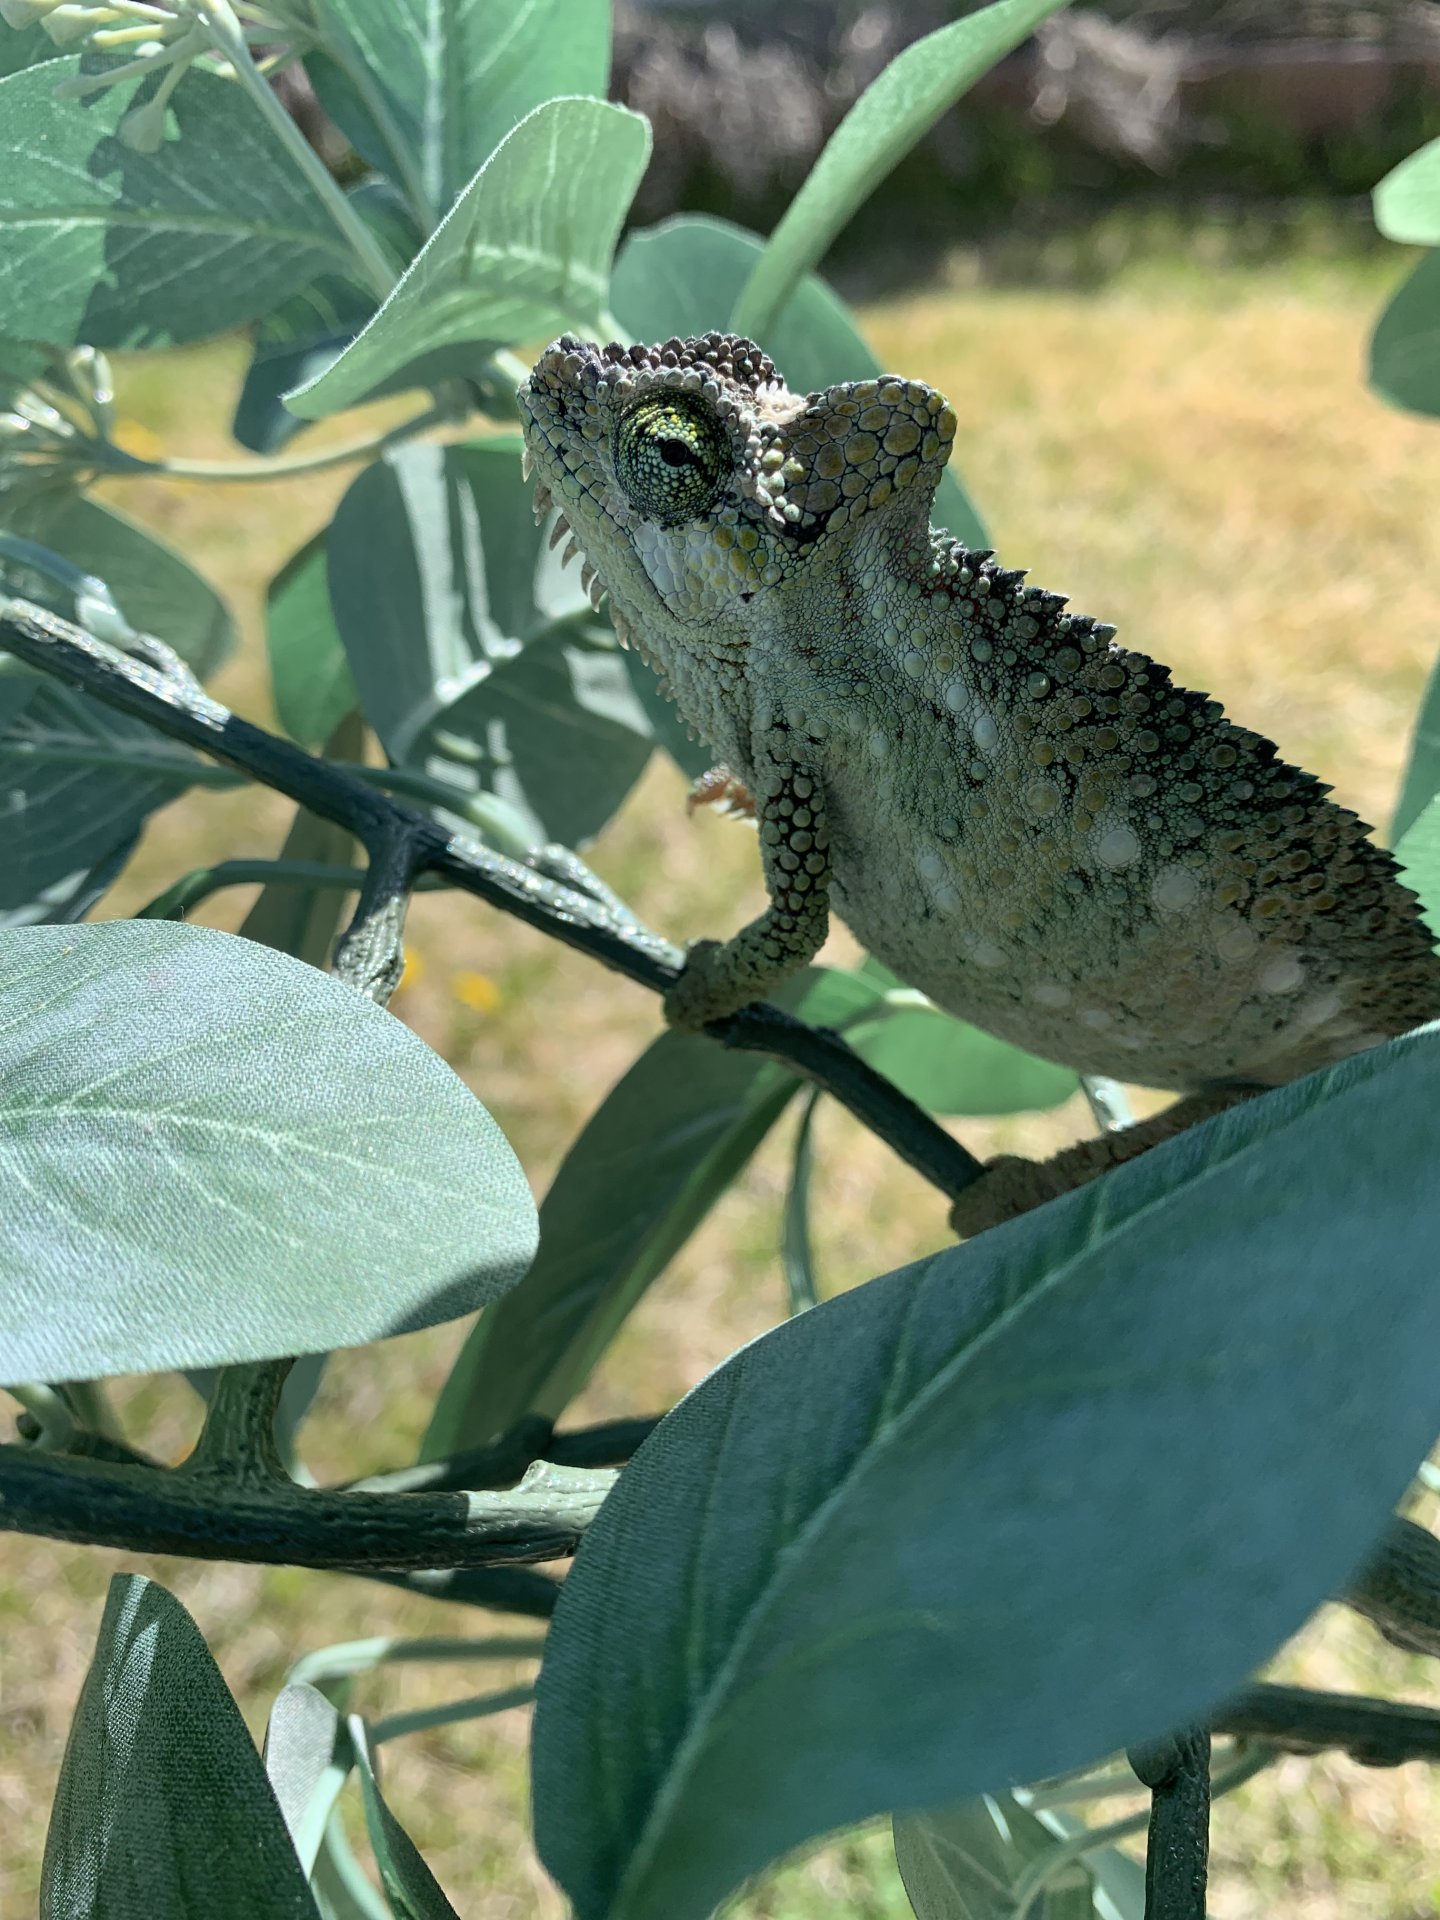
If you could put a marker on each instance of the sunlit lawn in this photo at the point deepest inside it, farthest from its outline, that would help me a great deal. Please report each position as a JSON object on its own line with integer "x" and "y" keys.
{"x": 1189, "y": 453}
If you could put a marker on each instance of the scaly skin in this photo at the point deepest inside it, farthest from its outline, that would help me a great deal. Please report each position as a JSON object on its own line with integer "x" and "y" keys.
{"x": 1030, "y": 824}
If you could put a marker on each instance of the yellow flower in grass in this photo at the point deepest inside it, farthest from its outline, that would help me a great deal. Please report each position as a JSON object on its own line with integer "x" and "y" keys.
{"x": 477, "y": 991}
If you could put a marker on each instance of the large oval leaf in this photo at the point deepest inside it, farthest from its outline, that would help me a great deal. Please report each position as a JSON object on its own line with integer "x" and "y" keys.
{"x": 1407, "y": 200}
{"x": 477, "y": 658}
{"x": 683, "y": 276}
{"x": 523, "y": 252}
{"x": 212, "y": 1152}
{"x": 124, "y": 249}
{"x": 1008, "y": 1509}
{"x": 77, "y": 778}
{"x": 455, "y": 76}
{"x": 1405, "y": 346}
{"x": 163, "y": 1806}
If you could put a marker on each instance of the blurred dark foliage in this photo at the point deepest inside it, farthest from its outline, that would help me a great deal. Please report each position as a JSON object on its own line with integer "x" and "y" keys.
{"x": 1192, "y": 99}
{"x": 1255, "y": 111}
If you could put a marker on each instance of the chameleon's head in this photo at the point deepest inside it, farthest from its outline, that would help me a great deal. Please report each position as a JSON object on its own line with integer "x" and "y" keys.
{"x": 696, "y": 483}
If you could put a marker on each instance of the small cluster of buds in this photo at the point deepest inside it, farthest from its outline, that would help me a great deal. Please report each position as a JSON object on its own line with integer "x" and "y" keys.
{"x": 153, "y": 39}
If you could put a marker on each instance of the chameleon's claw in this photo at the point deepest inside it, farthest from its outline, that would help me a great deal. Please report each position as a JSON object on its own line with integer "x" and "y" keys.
{"x": 720, "y": 789}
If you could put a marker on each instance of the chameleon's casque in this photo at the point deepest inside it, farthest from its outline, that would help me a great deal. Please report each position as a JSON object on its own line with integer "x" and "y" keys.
{"x": 1030, "y": 824}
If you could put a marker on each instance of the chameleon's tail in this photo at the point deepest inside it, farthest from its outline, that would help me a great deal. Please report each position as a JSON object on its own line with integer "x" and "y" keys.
{"x": 1011, "y": 1186}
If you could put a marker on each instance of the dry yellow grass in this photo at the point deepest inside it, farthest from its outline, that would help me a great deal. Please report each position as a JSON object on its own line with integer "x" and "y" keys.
{"x": 1194, "y": 458}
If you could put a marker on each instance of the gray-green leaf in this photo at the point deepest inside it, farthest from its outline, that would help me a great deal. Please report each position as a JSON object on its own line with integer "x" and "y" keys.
{"x": 893, "y": 113}
{"x": 210, "y": 1152}
{"x": 453, "y": 77}
{"x": 99, "y": 243}
{"x": 1405, "y": 346}
{"x": 1007, "y": 1510}
{"x": 524, "y": 252}
{"x": 163, "y": 1806}
{"x": 1407, "y": 200}
{"x": 77, "y": 779}
{"x": 413, "y": 1891}
{"x": 1418, "y": 851}
{"x": 476, "y": 657}
{"x": 971, "y": 1861}
{"x": 309, "y": 675}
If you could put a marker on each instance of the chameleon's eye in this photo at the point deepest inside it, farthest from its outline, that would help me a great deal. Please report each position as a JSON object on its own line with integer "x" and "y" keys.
{"x": 670, "y": 456}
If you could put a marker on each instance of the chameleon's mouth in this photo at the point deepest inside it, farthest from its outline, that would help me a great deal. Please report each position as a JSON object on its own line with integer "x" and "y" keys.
{"x": 544, "y": 500}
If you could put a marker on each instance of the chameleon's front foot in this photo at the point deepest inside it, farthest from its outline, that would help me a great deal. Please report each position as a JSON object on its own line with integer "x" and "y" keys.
{"x": 703, "y": 991}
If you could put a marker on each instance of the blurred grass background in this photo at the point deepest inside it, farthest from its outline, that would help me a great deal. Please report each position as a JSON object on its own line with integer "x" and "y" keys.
{"x": 1189, "y": 450}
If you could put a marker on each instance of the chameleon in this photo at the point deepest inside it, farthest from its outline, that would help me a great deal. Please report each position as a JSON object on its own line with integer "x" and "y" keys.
{"x": 1031, "y": 824}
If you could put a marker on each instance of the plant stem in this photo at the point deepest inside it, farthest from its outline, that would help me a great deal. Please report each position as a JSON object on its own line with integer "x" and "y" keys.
{"x": 125, "y": 464}
{"x": 1177, "y": 1772}
{"x": 187, "y": 893}
{"x": 237, "y": 1442}
{"x": 476, "y": 1707}
{"x": 1375, "y": 1733}
{"x": 229, "y": 36}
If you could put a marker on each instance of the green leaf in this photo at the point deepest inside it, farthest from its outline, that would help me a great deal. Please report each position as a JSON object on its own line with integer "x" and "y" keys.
{"x": 946, "y": 1064}
{"x": 297, "y": 340}
{"x": 476, "y": 658}
{"x": 163, "y": 1807}
{"x": 413, "y": 1891}
{"x": 894, "y": 112}
{"x": 1422, "y": 774}
{"x": 970, "y": 1861}
{"x": 454, "y": 78}
{"x": 1418, "y": 851}
{"x": 73, "y": 818}
{"x": 307, "y": 1759}
{"x": 681, "y": 277}
{"x": 123, "y": 249}
{"x": 651, "y": 1162}
{"x": 1407, "y": 200}
{"x": 524, "y": 252}
{"x": 1405, "y": 346}
{"x": 300, "y": 920}
{"x": 951, "y": 1067}
{"x": 210, "y": 1150}
{"x": 1013, "y": 1507}
{"x": 340, "y": 1885}
{"x": 309, "y": 674}
{"x": 22, "y": 47}
{"x": 155, "y": 588}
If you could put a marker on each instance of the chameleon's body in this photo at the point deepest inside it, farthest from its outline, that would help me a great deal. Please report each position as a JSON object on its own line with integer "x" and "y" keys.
{"x": 1030, "y": 824}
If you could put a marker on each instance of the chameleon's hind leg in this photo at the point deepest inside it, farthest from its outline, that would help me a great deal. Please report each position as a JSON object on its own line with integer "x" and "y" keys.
{"x": 1010, "y": 1186}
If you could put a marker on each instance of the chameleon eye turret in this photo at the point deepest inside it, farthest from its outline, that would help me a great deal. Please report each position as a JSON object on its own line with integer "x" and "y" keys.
{"x": 670, "y": 457}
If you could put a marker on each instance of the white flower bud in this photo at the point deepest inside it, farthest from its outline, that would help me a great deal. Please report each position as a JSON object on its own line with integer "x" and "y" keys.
{"x": 143, "y": 128}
